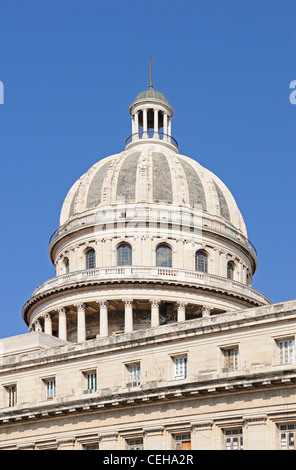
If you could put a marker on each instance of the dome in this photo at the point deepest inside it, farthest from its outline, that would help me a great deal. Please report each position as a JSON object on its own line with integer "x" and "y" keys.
{"x": 150, "y": 93}
{"x": 150, "y": 174}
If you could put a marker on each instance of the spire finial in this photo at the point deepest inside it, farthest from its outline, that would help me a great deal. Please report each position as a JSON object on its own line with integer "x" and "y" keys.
{"x": 150, "y": 86}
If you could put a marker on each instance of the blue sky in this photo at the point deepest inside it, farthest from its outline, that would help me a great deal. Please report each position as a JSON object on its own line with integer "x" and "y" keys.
{"x": 70, "y": 70}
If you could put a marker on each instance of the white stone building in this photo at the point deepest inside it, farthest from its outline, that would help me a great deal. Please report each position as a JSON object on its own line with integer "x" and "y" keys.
{"x": 150, "y": 336}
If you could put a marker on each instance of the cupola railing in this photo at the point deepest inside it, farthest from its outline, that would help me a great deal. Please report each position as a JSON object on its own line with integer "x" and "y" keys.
{"x": 151, "y": 134}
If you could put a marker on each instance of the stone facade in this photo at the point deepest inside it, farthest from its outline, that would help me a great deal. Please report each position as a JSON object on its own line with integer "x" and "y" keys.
{"x": 150, "y": 336}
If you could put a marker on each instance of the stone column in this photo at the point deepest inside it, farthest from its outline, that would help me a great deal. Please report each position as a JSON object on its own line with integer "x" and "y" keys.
{"x": 38, "y": 326}
{"x": 154, "y": 312}
{"x": 170, "y": 126}
{"x": 47, "y": 324}
{"x": 81, "y": 334}
{"x": 181, "y": 311}
{"x": 62, "y": 324}
{"x": 155, "y": 135}
{"x": 145, "y": 127}
{"x": 136, "y": 128}
{"x": 128, "y": 315}
{"x": 165, "y": 126}
{"x": 103, "y": 317}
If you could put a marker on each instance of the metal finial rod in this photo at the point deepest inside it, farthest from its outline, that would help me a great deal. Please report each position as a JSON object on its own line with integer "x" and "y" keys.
{"x": 150, "y": 86}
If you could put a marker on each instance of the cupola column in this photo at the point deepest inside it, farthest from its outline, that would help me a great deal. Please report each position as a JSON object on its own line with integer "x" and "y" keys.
{"x": 165, "y": 126}
{"x": 156, "y": 134}
{"x": 62, "y": 324}
{"x": 145, "y": 123}
{"x": 136, "y": 124}
{"x": 81, "y": 334}
{"x": 128, "y": 315}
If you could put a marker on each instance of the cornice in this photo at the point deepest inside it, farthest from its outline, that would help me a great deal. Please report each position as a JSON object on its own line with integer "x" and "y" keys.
{"x": 151, "y": 397}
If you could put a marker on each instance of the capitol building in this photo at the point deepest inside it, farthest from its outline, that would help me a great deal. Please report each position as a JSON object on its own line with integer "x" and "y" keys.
{"x": 150, "y": 336}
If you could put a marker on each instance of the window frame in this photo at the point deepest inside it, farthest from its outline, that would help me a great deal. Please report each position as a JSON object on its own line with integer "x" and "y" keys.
{"x": 133, "y": 374}
{"x": 11, "y": 397}
{"x": 180, "y": 438}
{"x": 205, "y": 258}
{"x": 286, "y": 434}
{"x": 90, "y": 263}
{"x": 289, "y": 355}
{"x": 231, "y": 265}
{"x": 50, "y": 391}
{"x": 90, "y": 381}
{"x": 129, "y": 257}
{"x": 168, "y": 263}
{"x": 180, "y": 369}
{"x": 230, "y": 362}
{"x": 230, "y": 435}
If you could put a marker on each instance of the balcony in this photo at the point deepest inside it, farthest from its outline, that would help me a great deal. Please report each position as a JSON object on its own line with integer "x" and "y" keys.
{"x": 150, "y": 134}
{"x": 153, "y": 274}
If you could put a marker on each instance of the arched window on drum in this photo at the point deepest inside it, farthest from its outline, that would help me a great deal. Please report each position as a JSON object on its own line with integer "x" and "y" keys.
{"x": 230, "y": 270}
{"x": 164, "y": 256}
{"x": 124, "y": 255}
{"x": 201, "y": 262}
{"x": 90, "y": 259}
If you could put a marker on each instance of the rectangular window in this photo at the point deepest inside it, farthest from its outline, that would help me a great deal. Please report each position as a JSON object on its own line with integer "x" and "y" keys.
{"x": 11, "y": 395}
{"x": 134, "y": 375}
{"x": 135, "y": 444}
{"x": 288, "y": 437}
{"x": 182, "y": 441}
{"x": 50, "y": 386}
{"x": 91, "y": 381}
{"x": 233, "y": 439}
{"x": 230, "y": 359}
{"x": 180, "y": 367}
{"x": 91, "y": 447}
{"x": 285, "y": 351}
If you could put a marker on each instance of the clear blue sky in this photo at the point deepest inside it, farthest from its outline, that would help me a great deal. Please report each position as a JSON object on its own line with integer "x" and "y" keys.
{"x": 70, "y": 70}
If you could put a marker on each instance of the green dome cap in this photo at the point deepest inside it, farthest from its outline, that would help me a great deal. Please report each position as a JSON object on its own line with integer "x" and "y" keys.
{"x": 150, "y": 93}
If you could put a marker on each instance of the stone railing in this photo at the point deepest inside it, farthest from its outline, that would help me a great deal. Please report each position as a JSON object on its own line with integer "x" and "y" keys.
{"x": 148, "y": 273}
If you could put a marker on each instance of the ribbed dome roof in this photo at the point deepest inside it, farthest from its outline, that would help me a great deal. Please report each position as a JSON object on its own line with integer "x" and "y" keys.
{"x": 150, "y": 93}
{"x": 150, "y": 174}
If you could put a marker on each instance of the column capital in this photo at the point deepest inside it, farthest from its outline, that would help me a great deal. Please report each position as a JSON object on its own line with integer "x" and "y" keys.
{"x": 206, "y": 311}
{"x": 128, "y": 302}
{"x": 37, "y": 325}
{"x": 181, "y": 304}
{"x": 61, "y": 311}
{"x": 102, "y": 303}
{"x": 154, "y": 302}
{"x": 80, "y": 306}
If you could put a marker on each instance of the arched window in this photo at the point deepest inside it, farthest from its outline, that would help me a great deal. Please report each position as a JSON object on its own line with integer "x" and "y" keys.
{"x": 164, "y": 256}
{"x": 230, "y": 270}
{"x": 67, "y": 265}
{"x": 124, "y": 255}
{"x": 201, "y": 262}
{"x": 90, "y": 259}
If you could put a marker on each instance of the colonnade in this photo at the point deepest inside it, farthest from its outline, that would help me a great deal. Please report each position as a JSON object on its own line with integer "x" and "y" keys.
{"x": 165, "y": 123}
{"x": 46, "y": 324}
